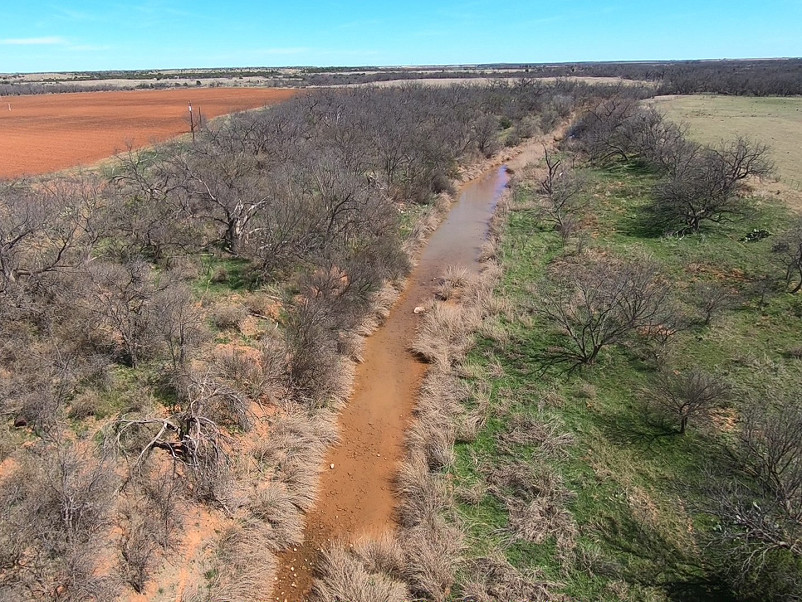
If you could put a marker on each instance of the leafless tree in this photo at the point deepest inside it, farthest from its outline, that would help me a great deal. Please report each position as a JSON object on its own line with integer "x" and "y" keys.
{"x": 194, "y": 435}
{"x": 486, "y": 135}
{"x": 179, "y": 321}
{"x": 45, "y": 226}
{"x": 57, "y": 502}
{"x": 603, "y": 131}
{"x": 42, "y": 379}
{"x": 711, "y": 298}
{"x": 600, "y": 302}
{"x": 759, "y": 509}
{"x": 561, "y": 190}
{"x": 221, "y": 188}
{"x": 788, "y": 252}
{"x": 689, "y": 394}
{"x": 122, "y": 298}
{"x": 146, "y": 215}
{"x": 706, "y": 188}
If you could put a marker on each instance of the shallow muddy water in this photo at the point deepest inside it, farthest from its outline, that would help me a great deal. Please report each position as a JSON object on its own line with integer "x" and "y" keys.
{"x": 357, "y": 497}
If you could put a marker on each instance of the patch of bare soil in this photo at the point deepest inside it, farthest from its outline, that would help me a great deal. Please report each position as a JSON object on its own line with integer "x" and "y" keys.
{"x": 50, "y": 132}
{"x": 357, "y": 486}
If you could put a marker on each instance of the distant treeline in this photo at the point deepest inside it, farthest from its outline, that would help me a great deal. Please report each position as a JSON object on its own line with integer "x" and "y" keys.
{"x": 63, "y": 88}
{"x": 766, "y": 77}
{"x": 780, "y": 77}
{"x": 18, "y": 89}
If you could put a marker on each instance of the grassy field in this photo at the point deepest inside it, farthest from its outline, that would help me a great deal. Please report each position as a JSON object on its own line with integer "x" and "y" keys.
{"x": 773, "y": 121}
{"x": 617, "y": 495}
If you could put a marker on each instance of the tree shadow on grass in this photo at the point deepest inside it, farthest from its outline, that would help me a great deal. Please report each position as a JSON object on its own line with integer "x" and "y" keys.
{"x": 651, "y": 560}
{"x": 621, "y": 429}
{"x": 702, "y": 589}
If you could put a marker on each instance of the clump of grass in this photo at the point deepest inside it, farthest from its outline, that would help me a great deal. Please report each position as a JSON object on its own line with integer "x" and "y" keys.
{"x": 492, "y": 578}
{"x": 445, "y": 334}
{"x": 345, "y": 575}
{"x": 227, "y": 315}
{"x": 549, "y": 438}
{"x": 451, "y": 283}
{"x": 381, "y": 555}
{"x": 275, "y": 506}
{"x": 433, "y": 552}
{"x": 242, "y": 569}
{"x": 294, "y": 449}
{"x": 423, "y": 495}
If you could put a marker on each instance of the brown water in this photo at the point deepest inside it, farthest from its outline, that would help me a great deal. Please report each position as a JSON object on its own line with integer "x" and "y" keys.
{"x": 357, "y": 496}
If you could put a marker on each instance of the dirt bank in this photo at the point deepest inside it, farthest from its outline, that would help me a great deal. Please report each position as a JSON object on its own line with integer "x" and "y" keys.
{"x": 50, "y": 132}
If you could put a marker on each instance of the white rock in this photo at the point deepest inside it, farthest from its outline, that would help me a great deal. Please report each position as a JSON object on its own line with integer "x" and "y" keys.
{"x": 419, "y": 309}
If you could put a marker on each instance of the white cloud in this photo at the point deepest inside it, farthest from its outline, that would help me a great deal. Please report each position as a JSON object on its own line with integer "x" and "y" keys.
{"x": 47, "y": 41}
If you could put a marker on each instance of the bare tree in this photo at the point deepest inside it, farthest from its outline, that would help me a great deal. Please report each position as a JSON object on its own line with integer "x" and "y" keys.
{"x": 194, "y": 435}
{"x": 179, "y": 321}
{"x": 706, "y": 189}
{"x": 146, "y": 215}
{"x": 486, "y": 135}
{"x": 122, "y": 297}
{"x": 224, "y": 188}
{"x": 711, "y": 298}
{"x": 603, "y": 131}
{"x": 659, "y": 143}
{"x": 788, "y": 252}
{"x": 44, "y": 225}
{"x": 561, "y": 190}
{"x": 759, "y": 509}
{"x": 600, "y": 302}
{"x": 688, "y": 395}
{"x": 56, "y": 505}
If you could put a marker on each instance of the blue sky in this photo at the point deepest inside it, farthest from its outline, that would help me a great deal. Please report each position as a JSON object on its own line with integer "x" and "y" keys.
{"x": 141, "y": 34}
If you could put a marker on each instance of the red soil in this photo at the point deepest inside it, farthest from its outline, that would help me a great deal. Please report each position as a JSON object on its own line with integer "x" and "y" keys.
{"x": 50, "y": 132}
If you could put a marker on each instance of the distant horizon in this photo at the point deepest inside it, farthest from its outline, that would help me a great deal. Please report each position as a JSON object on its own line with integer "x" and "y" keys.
{"x": 41, "y": 36}
{"x": 432, "y": 66}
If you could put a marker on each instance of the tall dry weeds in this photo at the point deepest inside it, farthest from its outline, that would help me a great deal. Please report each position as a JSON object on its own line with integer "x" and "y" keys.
{"x": 346, "y": 576}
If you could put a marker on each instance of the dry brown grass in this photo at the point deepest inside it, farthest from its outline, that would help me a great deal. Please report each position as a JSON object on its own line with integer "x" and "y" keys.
{"x": 472, "y": 494}
{"x": 493, "y": 578}
{"x": 241, "y": 569}
{"x": 423, "y": 495}
{"x": 536, "y": 500}
{"x": 451, "y": 283}
{"x": 445, "y": 411}
{"x": 445, "y": 334}
{"x": 228, "y": 315}
{"x": 275, "y": 506}
{"x": 294, "y": 450}
{"x": 381, "y": 555}
{"x": 548, "y": 438}
{"x": 345, "y": 576}
{"x": 433, "y": 554}
{"x": 433, "y": 433}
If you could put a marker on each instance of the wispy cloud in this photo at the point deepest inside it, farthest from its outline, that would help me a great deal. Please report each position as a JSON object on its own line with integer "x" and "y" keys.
{"x": 46, "y": 41}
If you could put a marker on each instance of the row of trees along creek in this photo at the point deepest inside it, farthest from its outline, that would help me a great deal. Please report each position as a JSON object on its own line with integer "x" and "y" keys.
{"x": 595, "y": 298}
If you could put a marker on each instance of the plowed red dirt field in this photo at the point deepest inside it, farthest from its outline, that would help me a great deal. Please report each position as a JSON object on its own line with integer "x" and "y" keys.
{"x": 50, "y": 132}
